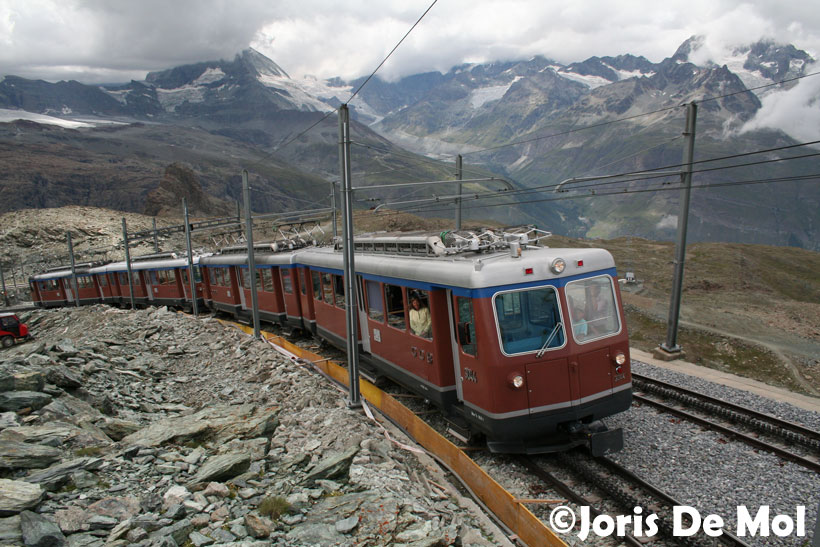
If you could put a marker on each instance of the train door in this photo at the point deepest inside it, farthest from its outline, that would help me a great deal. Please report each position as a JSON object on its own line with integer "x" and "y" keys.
{"x": 465, "y": 348}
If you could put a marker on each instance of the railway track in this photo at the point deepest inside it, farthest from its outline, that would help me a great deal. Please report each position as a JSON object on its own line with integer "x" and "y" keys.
{"x": 763, "y": 431}
{"x": 628, "y": 492}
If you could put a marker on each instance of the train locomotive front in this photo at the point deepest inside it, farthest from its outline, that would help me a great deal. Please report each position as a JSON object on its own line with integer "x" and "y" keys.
{"x": 525, "y": 344}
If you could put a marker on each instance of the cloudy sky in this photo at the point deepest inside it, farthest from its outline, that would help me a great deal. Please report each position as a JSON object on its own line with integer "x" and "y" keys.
{"x": 117, "y": 40}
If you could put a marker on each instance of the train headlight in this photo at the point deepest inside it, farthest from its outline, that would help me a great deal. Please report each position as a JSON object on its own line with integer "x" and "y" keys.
{"x": 620, "y": 358}
{"x": 558, "y": 265}
{"x": 516, "y": 381}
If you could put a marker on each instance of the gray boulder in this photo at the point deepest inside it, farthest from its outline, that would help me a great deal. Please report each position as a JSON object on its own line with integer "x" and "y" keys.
{"x": 38, "y": 531}
{"x": 18, "y": 400}
{"x": 16, "y": 496}
{"x": 19, "y": 455}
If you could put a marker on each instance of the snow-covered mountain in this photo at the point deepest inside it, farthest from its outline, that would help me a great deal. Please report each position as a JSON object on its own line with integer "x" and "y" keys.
{"x": 253, "y": 101}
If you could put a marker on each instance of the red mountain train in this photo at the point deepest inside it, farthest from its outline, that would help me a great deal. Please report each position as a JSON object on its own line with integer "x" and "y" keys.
{"x": 513, "y": 340}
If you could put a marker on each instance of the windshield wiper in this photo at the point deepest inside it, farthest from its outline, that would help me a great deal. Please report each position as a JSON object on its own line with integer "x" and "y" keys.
{"x": 549, "y": 339}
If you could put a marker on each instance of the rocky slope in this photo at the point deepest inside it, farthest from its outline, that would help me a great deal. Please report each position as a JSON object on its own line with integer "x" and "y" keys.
{"x": 153, "y": 428}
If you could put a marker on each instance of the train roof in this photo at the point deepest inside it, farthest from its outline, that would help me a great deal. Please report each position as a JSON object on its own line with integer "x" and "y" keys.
{"x": 149, "y": 264}
{"x": 470, "y": 271}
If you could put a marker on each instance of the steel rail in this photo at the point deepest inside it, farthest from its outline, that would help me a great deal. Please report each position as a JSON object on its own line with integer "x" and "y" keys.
{"x": 564, "y": 489}
{"x": 798, "y": 430}
{"x": 753, "y": 441}
{"x": 620, "y": 470}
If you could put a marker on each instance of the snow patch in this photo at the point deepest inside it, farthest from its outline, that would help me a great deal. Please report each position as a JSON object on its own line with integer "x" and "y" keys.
{"x": 481, "y": 96}
{"x": 12, "y": 115}
{"x": 170, "y": 99}
{"x": 590, "y": 81}
{"x": 303, "y": 93}
{"x": 210, "y": 76}
{"x": 667, "y": 222}
{"x": 118, "y": 95}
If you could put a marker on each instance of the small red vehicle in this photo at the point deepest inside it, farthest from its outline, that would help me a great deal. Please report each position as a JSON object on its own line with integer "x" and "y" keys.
{"x": 11, "y": 330}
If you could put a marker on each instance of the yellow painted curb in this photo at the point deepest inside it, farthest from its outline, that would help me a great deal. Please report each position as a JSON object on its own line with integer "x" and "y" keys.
{"x": 513, "y": 514}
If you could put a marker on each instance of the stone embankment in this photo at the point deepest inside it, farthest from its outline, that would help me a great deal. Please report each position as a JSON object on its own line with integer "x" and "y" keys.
{"x": 154, "y": 428}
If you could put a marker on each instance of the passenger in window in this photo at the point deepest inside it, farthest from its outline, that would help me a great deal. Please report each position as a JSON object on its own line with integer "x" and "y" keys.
{"x": 598, "y": 311}
{"x": 579, "y": 323}
{"x": 420, "y": 322}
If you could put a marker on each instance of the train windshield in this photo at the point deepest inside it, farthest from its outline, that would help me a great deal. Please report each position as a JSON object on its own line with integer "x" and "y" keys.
{"x": 529, "y": 320}
{"x": 592, "y": 308}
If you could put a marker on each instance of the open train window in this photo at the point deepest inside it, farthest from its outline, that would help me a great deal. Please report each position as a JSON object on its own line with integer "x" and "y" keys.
{"x": 317, "y": 285}
{"x": 302, "y": 282}
{"x": 529, "y": 320}
{"x": 339, "y": 289}
{"x": 394, "y": 297}
{"x": 375, "y": 304}
{"x": 592, "y": 308}
{"x": 327, "y": 287}
{"x": 419, "y": 314}
{"x": 466, "y": 325}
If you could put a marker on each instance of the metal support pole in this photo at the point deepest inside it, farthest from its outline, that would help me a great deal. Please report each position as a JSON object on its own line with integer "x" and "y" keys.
{"x": 194, "y": 306}
{"x": 246, "y": 192}
{"x": 156, "y": 239}
{"x": 351, "y": 308}
{"x": 5, "y": 292}
{"x": 22, "y": 273}
{"x": 14, "y": 279}
{"x": 73, "y": 270}
{"x": 671, "y": 345}
{"x": 333, "y": 208}
{"x": 128, "y": 263}
{"x": 459, "y": 175}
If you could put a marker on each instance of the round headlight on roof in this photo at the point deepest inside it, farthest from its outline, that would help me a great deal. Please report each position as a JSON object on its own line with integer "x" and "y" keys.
{"x": 558, "y": 265}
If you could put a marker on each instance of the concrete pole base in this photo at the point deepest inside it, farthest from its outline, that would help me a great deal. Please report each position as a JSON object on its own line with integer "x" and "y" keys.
{"x": 663, "y": 354}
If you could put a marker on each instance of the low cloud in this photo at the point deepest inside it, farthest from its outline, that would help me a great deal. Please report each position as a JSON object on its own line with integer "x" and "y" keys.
{"x": 795, "y": 111}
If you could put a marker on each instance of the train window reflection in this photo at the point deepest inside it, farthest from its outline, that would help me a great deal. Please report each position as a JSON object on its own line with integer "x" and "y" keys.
{"x": 375, "y": 304}
{"x": 466, "y": 325}
{"x": 317, "y": 285}
{"x": 287, "y": 282}
{"x": 592, "y": 308}
{"x": 529, "y": 320}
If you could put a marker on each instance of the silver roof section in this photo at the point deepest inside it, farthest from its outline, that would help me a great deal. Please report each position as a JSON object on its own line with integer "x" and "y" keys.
{"x": 154, "y": 264}
{"x": 471, "y": 271}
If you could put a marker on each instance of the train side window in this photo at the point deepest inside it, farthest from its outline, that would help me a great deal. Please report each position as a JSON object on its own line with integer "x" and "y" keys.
{"x": 317, "y": 285}
{"x": 103, "y": 281}
{"x": 185, "y": 277}
{"x": 466, "y": 325}
{"x": 592, "y": 308}
{"x": 246, "y": 278}
{"x": 394, "y": 297}
{"x": 268, "y": 279}
{"x": 302, "y": 282}
{"x": 152, "y": 275}
{"x": 420, "y": 321}
{"x": 327, "y": 288}
{"x": 197, "y": 275}
{"x": 375, "y": 304}
{"x": 287, "y": 282}
{"x": 211, "y": 278}
{"x": 339, "y": 289}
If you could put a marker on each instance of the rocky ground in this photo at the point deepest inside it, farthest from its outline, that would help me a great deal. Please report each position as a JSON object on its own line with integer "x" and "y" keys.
{"x": 154, "y": 428}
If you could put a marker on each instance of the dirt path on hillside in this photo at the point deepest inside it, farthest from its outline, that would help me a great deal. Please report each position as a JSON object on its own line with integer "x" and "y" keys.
{"x": 779, "y": 350}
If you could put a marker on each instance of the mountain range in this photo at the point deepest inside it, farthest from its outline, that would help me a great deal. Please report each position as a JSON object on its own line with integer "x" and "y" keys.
{"x": 535, "y": 122}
